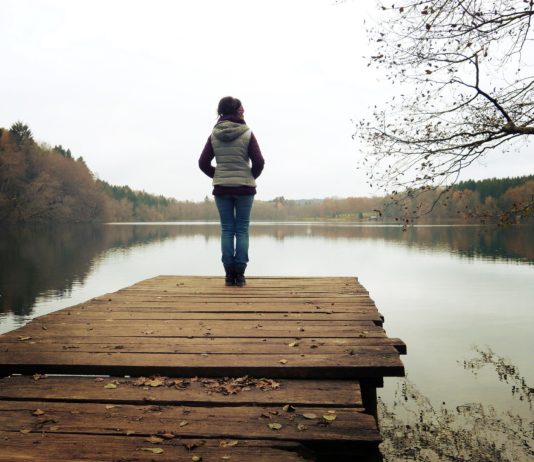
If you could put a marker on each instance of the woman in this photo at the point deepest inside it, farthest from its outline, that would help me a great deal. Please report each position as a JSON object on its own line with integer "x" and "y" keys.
{"x": 234, "y": 147}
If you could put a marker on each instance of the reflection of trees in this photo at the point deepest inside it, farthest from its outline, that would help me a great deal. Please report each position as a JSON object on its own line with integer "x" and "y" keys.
{"x": 471, "y": 241}
{"x": 38, "y": 260}
{"x": 413, "y": 429}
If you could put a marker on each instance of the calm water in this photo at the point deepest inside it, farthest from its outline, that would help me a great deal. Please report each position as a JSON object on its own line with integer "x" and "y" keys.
{"x": 445, "y": 290}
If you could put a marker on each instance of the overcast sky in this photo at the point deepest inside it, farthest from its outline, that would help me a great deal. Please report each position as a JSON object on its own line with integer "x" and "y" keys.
{"x": 133, "y": 86}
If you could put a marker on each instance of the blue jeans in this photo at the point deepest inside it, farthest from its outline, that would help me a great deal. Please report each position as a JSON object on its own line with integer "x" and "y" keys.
{"x": 234, "y": 212}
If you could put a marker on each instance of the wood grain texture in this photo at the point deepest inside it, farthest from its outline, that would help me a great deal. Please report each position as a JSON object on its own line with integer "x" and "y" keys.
{"x": 313, "y": 337}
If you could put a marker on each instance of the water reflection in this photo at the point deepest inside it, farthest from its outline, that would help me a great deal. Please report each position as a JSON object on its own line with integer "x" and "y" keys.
{"x": 52, "y": 260}
{"x": 416, "y": 429}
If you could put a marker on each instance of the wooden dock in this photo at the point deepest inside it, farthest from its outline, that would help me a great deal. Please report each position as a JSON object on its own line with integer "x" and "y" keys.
{"x": 183, "y": 368}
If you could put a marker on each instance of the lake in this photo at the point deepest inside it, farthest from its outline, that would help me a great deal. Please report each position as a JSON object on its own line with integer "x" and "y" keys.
{"x": 461, "y": 297}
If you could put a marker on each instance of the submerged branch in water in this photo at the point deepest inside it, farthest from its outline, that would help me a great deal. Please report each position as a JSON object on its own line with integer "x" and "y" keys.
{"x": 414, "y": 429}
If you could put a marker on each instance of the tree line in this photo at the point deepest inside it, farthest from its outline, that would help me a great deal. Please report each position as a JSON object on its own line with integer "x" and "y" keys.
{"x": 40, "y": 183}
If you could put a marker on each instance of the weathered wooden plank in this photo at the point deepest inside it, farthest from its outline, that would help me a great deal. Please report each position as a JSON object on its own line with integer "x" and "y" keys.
{"x": 244, "y": 348}
{"x": 242, "y": 292}
{"x": 46, "y": 447}
{"x": 186, "y": 324}
{"x": 150, "y": 315}
{"x": 227, "y": 307}
{"x": 309, "y": 366}
{"x": 191, "y": 391}
{"x": 287, "y": 298}
{"x": 196, "y": 344}
{"x": 160, "y": 330}
{"x": 239, "y": 422}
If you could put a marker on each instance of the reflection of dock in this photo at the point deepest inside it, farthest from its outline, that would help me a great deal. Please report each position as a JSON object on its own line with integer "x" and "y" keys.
{"x": 283, "y": 369}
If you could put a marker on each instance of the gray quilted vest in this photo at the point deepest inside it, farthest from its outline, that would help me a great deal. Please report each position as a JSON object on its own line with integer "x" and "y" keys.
{"x": 230, "y": 145}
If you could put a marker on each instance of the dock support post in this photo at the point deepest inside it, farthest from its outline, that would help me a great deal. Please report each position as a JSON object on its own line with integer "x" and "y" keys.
{"x": 369, "y": 397}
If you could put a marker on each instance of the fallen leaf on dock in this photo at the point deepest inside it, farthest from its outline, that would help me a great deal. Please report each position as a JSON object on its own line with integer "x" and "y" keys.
{"x": 183, "y": 423}
{"x": 301, "y": 427}
{"x": 309, "y": 415}
{"x": 22, "y": 338}
{"x": 155, "y": 382}
{"x": 329, "y": 417}
{"x": 283, "y": 361}
{"x": 110, "y": 385}
{"x": 288, "y": 408}
{"x": 154, "y": 439}
{"x": 153, "y": 450}
{"x": 193, "y": 444}
{"x": 293, "y": 344}
{"x": 227, "y": 443}
{"x": 275, "y": 426}
{"x": 38, "y": 376}
{"x": 38, "y": 412}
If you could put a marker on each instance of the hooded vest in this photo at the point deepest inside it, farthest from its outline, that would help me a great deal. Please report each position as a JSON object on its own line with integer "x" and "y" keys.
{"x": 230, "y": 145}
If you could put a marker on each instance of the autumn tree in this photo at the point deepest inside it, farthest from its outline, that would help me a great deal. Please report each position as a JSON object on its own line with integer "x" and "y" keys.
{"x": 464, "y": 88}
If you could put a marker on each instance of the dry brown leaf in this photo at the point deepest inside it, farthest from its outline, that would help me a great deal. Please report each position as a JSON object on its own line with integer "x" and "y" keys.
{"x": 38, "y": 376}
{"x": 288, "y": 408}
{"x": 110, "y": 406}
{"x": 301, "y": 427}
{"x": 167, "y": 436}
{"x": 293, "y": 344}
{"x": 193, "y": 444}
{"x": 22, "y": 338}
{"x": 275, "y": 426}
{"x": 153, "y": 450}
{"x": 154, "y": 439}
{"x": 155, "y": 382}
{"x": 283, "y": 361}
{"x": 183, "y": 423}
{"x": 38, "y": 412}
{"x": 227, "y": 443}
{"x": 24, "y": 431}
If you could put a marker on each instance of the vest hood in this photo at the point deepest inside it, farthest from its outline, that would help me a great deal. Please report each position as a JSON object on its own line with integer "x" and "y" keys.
{"x": 228, "y": 130}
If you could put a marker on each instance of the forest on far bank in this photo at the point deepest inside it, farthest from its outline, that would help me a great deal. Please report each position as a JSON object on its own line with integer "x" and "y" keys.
{"x": 44, "y": 184}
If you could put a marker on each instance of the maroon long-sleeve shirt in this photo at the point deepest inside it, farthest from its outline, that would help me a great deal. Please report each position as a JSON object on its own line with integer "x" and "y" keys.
{"x": 254, "y": 153}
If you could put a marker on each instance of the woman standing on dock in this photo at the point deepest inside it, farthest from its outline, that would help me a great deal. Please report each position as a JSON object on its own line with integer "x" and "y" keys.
{"x": 234, "y": 147}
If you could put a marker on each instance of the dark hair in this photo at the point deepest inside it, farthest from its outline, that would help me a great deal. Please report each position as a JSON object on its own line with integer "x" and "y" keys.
{"x": 228, "y": 106}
